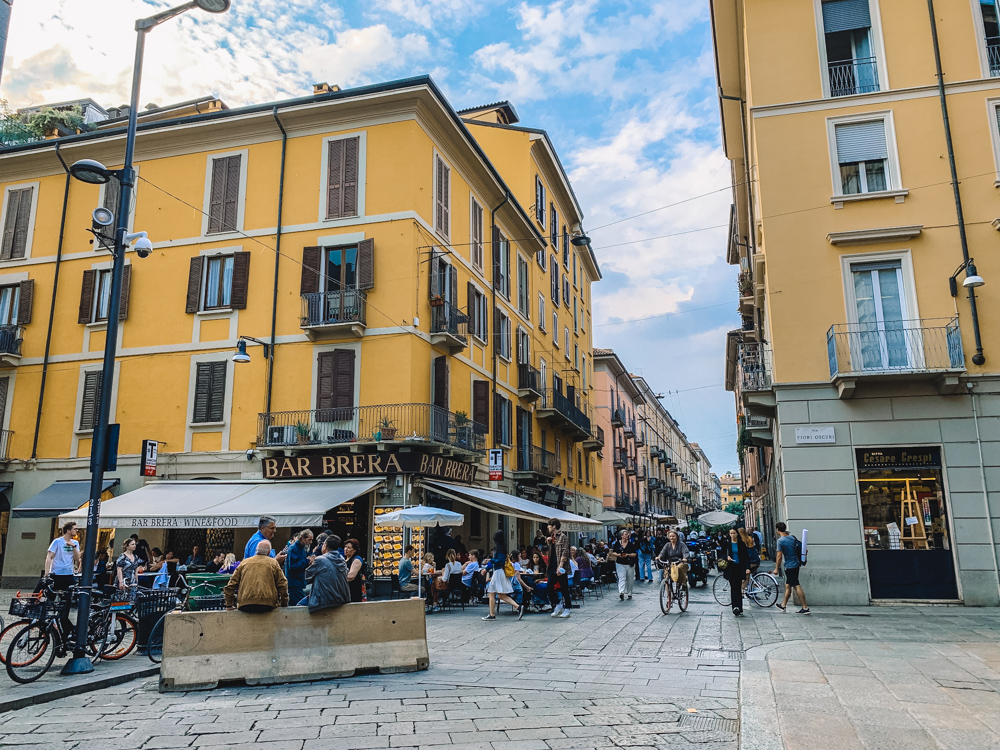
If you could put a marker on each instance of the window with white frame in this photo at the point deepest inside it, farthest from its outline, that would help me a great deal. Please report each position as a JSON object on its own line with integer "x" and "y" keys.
{"x": 540, "y": 201}
{"x": 555, "y": 328}
{"x": 576, "y": 356}
{"x": 566, "y": 295}
{"x": 852, "y": 66}
{"x": 17, "y": 223}
{"x": 862, "y": 154}
{"x": 479, "y": 314}
{"x": 502, "y": 417}
{"x": 10, "y": 297}
{"x": 541, "y": 311}
{"x": 442, "y": 197}
{"x": 224, "y": 198}
{"x": 476, "y": 238}
{"x": 523, "y": 287}
{"x": 553, "y": 225}
{"x": 566, "y": 341}
{"x": 991, "y": 31}
{"x": 576, "y": 321}
{"x": 502, "y": 333}
{"x": 501, "y": 265}
{"x": 523, "y": 347}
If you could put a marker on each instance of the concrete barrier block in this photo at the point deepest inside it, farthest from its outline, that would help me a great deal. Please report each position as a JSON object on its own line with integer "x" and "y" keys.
{"x": 203, "y": 649}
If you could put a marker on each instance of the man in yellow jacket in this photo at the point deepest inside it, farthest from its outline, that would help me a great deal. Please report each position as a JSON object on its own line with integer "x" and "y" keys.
{"x": 260, "y": 581}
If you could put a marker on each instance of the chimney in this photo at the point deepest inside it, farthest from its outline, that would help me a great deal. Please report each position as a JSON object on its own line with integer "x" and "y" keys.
{"x": 318, "y": 88}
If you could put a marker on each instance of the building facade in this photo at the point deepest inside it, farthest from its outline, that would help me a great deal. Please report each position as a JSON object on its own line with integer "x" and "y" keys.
{"x": 864, "y": 366}
{"x": 411, "y": 270}
{"x": 618, "y": 402}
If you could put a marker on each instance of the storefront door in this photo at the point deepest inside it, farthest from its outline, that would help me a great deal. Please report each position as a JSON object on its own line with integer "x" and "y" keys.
{"x": 907, "y": 539}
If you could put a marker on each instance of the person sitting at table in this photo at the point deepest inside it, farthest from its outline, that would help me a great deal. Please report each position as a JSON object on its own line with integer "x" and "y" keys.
{"x": 471, "y": 573}
{"x": 405, "y": 571}
{"x": 439, "y": 585}
{"x": 195, "y": 558}
{"x": 521, "y": 587}
{"x": 156, "y": 560}
{"x": 539, "y": 568}
{"x": 229, "y": 564}
{"x": 216, "y": 564}
{"x": 583, "y": 562}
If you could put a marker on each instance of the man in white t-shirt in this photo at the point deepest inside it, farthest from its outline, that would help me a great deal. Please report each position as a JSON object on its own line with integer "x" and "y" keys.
{"x": 63, "y": 558}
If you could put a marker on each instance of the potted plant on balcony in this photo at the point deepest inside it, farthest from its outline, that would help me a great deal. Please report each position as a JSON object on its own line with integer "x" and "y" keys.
{"x": 437, "y": 300}
{"x": 302, "y": 432}
{"x": 386, "y": 429}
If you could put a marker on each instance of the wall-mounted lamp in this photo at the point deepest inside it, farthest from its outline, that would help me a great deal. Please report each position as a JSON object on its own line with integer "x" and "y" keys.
{"x": 241, "y": 355}
{"x": 972, "y": 279}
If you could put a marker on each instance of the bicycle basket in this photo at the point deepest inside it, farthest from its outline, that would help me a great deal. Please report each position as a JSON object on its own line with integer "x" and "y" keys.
{"x": 722, "y": 564}
{"x": 207, "y": 603}
{"x": 30, "y": 607}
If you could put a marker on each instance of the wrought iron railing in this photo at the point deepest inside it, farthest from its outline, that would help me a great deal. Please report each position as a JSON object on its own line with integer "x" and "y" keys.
{"x": 910, "y": 346}
{"x": 620, "y": 459}
{"x": 333, "y": 308}
{"x": 448, "y": 318}
{"x": 640, "y": 473}
{"x": 529, "y": 378}
{"x": 858, "y": 76}
{"x": 756, "y": 422}
{"x": 617, "y": 418}
{"x": 754, "y": 367}
{"x": 624, "y": 501}
{"x": 598, "y": 435}
{"x": 14, "y": 133}
{"x": 553, "y": 399}
{"x": 630, "y": 428}
{"x": 10, "y": 339}
{"x": 993, "y": 54}
{"x": 640, "y": 439}
{"x": 631, "y": 466}
{"x": 370, "y": 424}
{"x": 536, "y": 459}
{"x": 5, "y": 438}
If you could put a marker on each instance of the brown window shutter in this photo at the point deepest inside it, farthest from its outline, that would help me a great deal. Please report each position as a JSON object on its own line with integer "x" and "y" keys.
{"x": 202, "y": 388}
{"x": 366, "y": 264}
{"x": 24, "y": 302}
{"x": 446, "y": 198}
{"x": 440, "y": 396}
{"x": 311, "y": 258}
{"x": 87, "y": 298}
{"x": 23, "y": 220}
{"x": 194, "y": 284}
{"x": 325, "y": 385}
{"x": 470, "y": 291}
{"x": 231, "y": 213}
{"x": 497, "y": 419}
{"x": 217, "y": 393}
{"x": 10, "y": 224}
{"x": 4, "y": 387}
{"x": 438, "y": 184}
{"x": 335, "y": 180}
{"x": 91, "y": 399}
{"x": 351, "y": 177}
{"x": 241, "y": 281}
{"x": 435, "y": 285}
{"x": 126, "y": 289}
{"x": 343, "y": 394}
{"x": 481, "y": 402}
{"x": 453, "y": 287}
{"x": 495, "y": 245}
{"x": 217, "y": 197}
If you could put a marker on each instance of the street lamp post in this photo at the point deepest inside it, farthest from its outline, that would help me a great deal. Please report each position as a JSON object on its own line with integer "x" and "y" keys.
{"x": 93, "y": 172}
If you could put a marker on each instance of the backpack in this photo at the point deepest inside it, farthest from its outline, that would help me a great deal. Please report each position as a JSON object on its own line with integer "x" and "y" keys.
{"x": 798, "y": 550}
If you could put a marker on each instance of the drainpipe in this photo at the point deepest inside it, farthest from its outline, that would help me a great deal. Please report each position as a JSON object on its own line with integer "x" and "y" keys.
{"x": 493, "y": 284}
{"x": 277, "y": 258}
{"x": 52, "y": 307}
{"x": 977, "y": 358}
{"x": 746, "y": 168}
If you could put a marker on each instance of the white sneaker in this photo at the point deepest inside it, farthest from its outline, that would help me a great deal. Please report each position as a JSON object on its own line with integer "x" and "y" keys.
{"x": 557, "y": 611}
{"x": 564, "y": 615}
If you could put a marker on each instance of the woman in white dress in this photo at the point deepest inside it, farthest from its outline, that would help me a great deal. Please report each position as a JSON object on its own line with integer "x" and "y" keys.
{"x": 499, "y": 585}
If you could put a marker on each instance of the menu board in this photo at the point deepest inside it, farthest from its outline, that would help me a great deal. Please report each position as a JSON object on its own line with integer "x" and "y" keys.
{"x": 388, "y": 544}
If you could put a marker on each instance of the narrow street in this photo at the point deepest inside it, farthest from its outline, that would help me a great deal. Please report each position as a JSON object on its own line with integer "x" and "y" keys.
{"x": 616, "y": 674}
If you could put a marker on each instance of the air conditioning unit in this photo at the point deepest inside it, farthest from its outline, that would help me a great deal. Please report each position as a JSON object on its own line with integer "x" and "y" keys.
{"x": 281, "y": 435}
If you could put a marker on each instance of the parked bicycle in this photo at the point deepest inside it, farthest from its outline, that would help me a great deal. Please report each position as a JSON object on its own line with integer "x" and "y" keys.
{"x": 762, "y": 590}
{"x": 672, "y": 589}
{"x": 185, "y": 599}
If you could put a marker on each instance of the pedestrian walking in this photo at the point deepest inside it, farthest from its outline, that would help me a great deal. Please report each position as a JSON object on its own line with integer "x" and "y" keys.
{"x": 738, "y": 562}
{"x": 645, "y": 557}
{"x": 128, "y": 566}
{"x": 626, "y": 553}
{"x": 328, "y": 575}
{"x": 259, "y": 585}
{"x": 63, "y": 558}
{"x": 559, "y": 568}
{"x": 789, "y": 556}
{"x": 499, "y": 586}
{"x": 297, "y": 559}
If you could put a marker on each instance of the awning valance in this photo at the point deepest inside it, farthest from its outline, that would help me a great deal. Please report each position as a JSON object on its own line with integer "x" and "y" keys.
{"x": 224, "y": 505}
{"x": 494, "y": 501}
{"x": 58, "y": 498}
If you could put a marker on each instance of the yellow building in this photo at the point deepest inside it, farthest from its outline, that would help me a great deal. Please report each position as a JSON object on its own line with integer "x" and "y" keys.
{"x": 865, "y": 381}
{"x": 410, "y": 268}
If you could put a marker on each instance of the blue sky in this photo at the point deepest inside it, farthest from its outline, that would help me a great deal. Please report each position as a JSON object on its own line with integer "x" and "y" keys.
{"x": 626, "y": 90}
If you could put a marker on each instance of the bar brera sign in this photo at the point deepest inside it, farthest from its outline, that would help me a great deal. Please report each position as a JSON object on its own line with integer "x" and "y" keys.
{"x": 369, "y": 465}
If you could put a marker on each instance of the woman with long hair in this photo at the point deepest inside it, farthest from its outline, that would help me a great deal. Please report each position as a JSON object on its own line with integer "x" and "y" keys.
{"x": 499, "y": 586}
{"x": 128, "y": 565}
{"x": 738, "y": 558}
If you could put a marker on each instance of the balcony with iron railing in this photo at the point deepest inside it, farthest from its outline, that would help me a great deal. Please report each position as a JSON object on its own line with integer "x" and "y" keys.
{"x": 5, "y": 437}
{"x": 993, "y": 54}
{"x": 449, "y": 327}
{"x": 407, "y": 424}
{"x": 640, "y": 438}
{"x": 596, "y": 441}
{"x": 629, "y": 428}
{"x": 857, "y": 76}
{"x": 534, "y": 462}
{"x": 10, "y": 344}
{"x": 620, "y": 459}
{"x": 631, "y": 468}
{"x": 564, "y": 413}
{"x": 332, "y": 314}
{"x": 14, "y": 132}
{"x": 617, "y": 418}
{"x": 529, "y": 382}
{"x": 905, "y": 349}
{"x": 624, "y": 502}
{"x": 640, "y": 472}
{"x": 754, "y": 367}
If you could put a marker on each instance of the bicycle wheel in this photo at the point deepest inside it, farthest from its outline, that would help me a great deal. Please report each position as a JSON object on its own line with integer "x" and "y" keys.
{"x": 682, "y": 597}
{"x": 720, "y": 589}
{"x": 122, "y": 639}
{"x": 154, "y": 645}
{"x": 30, "y": 653}
{"x": 764, "y": 589}
{"x": 666, "y": 596}
{"x": 7, "y": 635}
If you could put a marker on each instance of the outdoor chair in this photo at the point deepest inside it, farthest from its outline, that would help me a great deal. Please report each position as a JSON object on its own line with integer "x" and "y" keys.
{"x": 394, "y": 589}
{"x": 457, "y": 594}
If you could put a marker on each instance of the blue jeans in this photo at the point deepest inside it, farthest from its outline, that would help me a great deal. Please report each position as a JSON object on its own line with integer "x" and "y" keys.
{"x": 645, "y": 567}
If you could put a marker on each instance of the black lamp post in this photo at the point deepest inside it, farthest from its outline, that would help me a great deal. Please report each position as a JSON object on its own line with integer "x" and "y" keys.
{"x": 93, "y": 172}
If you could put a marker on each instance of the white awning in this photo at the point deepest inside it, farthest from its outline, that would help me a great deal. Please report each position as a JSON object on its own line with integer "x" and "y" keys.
{"x": 225, "y": 505}
{"x": 494, "y": 501}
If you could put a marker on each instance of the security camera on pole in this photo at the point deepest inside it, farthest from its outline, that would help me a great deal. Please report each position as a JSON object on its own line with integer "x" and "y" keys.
{"x": 88, "y": 170}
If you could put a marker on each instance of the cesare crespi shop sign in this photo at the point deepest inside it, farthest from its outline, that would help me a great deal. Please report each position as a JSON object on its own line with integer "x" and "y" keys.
{"x": 368, "y": 465}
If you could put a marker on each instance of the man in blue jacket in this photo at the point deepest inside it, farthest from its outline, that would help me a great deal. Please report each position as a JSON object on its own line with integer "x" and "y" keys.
{"x": 265, "y": 530}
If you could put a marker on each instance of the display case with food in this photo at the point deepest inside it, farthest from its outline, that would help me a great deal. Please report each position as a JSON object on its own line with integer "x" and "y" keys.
{"x": 389, "y": 542}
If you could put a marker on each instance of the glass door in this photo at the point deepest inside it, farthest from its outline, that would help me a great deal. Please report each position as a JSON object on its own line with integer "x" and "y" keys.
{"x": 879, "y": 341}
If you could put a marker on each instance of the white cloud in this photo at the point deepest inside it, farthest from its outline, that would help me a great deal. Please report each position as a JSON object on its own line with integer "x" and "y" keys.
{"x": 431, "y": 14}
{"x": 357, "y": 55}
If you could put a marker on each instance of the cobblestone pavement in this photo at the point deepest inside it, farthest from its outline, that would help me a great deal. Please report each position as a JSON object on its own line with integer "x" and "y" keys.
{"x": 615, "y": 674}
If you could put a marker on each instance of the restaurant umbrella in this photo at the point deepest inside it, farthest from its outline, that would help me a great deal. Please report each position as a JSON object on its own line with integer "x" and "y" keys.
{"x": 718, "y": 518}
{"x": 612, "y": 518}
{"x": 420, "y": 517}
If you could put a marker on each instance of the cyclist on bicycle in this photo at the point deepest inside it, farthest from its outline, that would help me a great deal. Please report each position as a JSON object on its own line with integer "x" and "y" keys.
{"x": 674, "y": 550}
